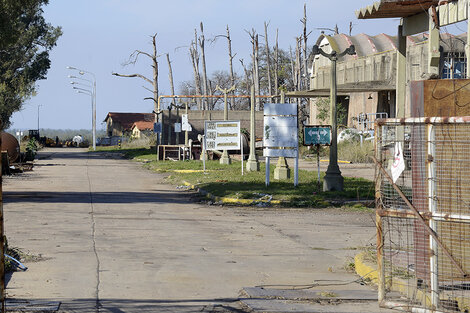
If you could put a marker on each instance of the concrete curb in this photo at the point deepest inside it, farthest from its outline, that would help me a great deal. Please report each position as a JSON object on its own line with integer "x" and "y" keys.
{"x": 227, "y": 200}
{"x": 365, "y": 269}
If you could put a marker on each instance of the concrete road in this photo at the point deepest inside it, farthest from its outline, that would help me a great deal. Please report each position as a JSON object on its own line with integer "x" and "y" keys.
{"x": 112, "y": 237}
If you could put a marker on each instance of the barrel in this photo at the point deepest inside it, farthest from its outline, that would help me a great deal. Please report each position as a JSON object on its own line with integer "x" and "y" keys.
{"x": 11, "y": 145}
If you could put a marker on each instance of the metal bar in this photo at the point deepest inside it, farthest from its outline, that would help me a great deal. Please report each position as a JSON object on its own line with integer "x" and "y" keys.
{"x": 457, "y": 218}
{"x": 267, "y": 171}
{"x": 433, "y": 265}
{"x": 380, "y": 258}
{"x": 425, "y": 120}
{"x": 420, "y": 218}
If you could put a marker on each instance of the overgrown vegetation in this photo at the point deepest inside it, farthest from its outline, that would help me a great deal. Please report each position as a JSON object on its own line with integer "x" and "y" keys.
{"x": 323, "y": 111}
{"x": 351, "y": 151}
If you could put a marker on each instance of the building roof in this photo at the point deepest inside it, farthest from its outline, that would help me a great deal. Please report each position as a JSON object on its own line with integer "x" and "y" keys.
{"x": 128, "y": 119}
{"x": 142, "y": 125}
{"x": 369, "y": 45}
{"x": 395, "y": 8}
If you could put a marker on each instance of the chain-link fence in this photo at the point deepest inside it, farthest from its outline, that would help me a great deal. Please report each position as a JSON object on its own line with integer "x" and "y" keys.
{"x": 423, "y": 213}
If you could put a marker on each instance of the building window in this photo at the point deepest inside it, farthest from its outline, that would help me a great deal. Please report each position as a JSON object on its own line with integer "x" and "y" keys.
{"x": 454, "y": 66}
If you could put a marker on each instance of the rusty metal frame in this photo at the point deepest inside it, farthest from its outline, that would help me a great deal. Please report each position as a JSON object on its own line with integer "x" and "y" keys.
{"x": 426, "y": 219}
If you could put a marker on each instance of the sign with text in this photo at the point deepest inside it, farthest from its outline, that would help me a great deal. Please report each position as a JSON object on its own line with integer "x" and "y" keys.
{"x": 222, "y": 135}
{"x": 317, "y": 135}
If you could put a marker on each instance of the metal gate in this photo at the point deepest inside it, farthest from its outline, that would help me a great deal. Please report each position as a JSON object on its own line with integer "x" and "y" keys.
{"x": 423, "y": 213}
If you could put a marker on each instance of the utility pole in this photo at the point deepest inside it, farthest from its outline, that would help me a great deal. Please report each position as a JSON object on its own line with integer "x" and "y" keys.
{"x": 333, "y": 179}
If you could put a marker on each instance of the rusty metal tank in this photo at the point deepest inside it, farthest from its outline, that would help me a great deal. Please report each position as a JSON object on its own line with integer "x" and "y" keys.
{"x": 11, "y": 145}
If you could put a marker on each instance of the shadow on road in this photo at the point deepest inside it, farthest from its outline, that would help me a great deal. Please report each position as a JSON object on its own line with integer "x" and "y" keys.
{"x": 141, "y": 306}
{"x": 159, "y": 196}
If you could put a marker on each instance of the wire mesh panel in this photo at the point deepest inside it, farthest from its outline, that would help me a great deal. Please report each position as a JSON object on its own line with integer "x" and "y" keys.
{"x": 424, "y": 213}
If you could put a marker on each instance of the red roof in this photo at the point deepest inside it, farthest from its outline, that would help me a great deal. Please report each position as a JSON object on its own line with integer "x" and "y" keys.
{"x": 143, "y": 125}
{"x": 127, "y": 120}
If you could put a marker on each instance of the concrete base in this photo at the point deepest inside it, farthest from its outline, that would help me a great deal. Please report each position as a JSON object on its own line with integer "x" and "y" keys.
{"x": 252, "y": 166}
{"x": 225, "y": 159}
{"x": 333, "y": 181}
{"x": 281, "y": 173}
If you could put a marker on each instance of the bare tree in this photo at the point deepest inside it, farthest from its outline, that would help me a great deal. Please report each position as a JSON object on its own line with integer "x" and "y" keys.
{"x": 255, "y": 65}
{"x": 154, "y": 81}
{"x": 170, "y": 74}
{"x": 230, "y": 57}
{"x": 305, "y": 56}
{"x": 268, "y": 59}
{"x": 248, "y": 77}
{"x": 230, "y": 60}
{"x": 298, "y": 63}
{"x": 205, "y": 86}
{"x": 276, "y": 63}
{"x": 194, "y": 54}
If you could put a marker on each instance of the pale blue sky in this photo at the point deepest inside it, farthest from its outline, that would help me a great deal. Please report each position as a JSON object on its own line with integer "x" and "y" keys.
{"x": 99, "y": 35}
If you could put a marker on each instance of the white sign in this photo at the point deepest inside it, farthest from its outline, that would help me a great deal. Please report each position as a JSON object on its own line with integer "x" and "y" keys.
{"x": 280, "y": 138}
{"x": 185, "y": 126}
{"x": 398, "y": 165}
{"x": 280, "y": 131}
{"x": 280, "y": 109}
{"x": 222, "y": 135}
{"x": 177, "y": 127}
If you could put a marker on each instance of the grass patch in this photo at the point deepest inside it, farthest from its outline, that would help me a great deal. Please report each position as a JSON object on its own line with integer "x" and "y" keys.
{"x": 227, "y": 181}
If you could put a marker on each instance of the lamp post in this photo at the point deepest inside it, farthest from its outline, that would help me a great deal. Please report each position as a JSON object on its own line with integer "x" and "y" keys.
{"x": 93, "y": 97}
{"x": 333, "y": 179}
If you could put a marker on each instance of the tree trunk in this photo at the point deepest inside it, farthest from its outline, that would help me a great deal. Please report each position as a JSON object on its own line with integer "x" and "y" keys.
{"x": 268, "y": 60}
{"x": 230, "y": 58}
{"x": 305, "y": 56}
{"x": 276, "y": 64}
{"x": 195, "y": 62}
{"x": 155, "y": 73}
{"x": 298, "y": 66}
{"x": 298, "y": 63}
{"x": 170, "y": 75}
{"x": 255, "y": 69}
{"x": 205, "y": 86}
{"x": 248, "y": 81}
{"x": 292, "y": 68}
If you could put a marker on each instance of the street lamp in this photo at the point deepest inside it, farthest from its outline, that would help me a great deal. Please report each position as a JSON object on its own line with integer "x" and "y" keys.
{"x": 333, "y": 179}
{"x": 92, "y": 93}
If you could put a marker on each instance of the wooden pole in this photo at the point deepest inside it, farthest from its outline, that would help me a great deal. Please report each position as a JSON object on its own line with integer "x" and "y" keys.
{"x": 2, "y": 240}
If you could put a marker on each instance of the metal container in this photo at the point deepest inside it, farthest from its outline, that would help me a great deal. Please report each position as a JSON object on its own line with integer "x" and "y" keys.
{"x": 11, "y": 145}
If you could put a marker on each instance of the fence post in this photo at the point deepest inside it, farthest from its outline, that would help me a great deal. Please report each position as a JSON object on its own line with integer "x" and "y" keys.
{"x": 433, "y": 262}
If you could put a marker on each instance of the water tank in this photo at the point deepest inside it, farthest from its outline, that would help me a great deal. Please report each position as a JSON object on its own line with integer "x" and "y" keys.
{"x": 10, "y": 144}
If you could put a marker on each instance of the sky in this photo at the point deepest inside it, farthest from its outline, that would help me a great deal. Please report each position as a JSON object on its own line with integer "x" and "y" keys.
{"x": 99, "y": 35}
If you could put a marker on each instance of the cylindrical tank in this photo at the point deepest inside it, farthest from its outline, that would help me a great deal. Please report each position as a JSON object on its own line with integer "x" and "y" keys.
{"x": 11, "y": 145}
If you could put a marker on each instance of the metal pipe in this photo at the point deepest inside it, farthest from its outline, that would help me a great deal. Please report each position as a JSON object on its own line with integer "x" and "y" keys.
{"x": 432, "y": 223}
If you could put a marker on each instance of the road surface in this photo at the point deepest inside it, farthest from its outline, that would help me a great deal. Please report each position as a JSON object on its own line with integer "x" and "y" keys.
{"x": 107, "y": 235}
